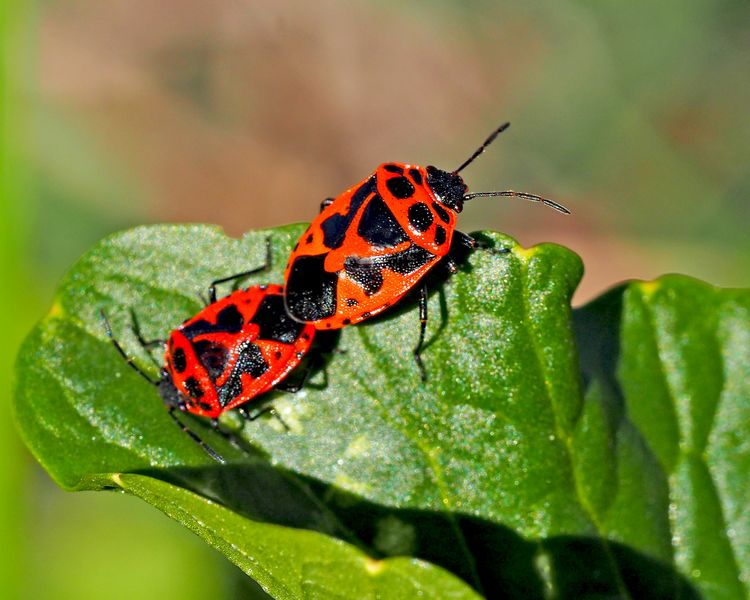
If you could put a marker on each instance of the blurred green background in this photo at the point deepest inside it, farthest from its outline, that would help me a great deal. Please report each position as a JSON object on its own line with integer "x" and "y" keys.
{"x": 634, "y": 115}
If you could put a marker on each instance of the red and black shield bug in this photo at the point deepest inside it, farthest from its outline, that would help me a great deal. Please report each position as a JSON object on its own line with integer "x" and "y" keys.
{"x": 375, "y": 242}
{"x": 228, "y": 354}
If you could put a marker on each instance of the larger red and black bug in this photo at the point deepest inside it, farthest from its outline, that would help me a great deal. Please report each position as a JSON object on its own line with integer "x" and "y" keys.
{"x": 231, "y": 352}
{"x": 375, "y": 242}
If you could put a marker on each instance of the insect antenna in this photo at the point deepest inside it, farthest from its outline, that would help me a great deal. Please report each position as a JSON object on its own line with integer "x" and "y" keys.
{"x": 194, "y": 436}
{"x": 122, "y": 352}
{"x": 481, "y": 148}
{"x": 523, "y": 195}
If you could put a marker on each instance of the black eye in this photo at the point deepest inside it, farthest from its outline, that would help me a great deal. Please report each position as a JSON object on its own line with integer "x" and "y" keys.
{"x": 400, "y": 187}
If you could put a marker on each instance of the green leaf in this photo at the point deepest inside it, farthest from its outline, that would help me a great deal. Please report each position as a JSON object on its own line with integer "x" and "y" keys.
{"x": 290, "y": 563}
{"x": 594, "y": 453}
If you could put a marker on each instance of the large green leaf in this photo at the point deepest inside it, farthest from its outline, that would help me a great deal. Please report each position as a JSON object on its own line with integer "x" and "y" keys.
{"x": 600, "y": 453}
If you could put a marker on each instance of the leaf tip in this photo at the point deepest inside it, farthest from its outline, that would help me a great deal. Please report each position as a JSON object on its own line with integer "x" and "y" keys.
{"x": 648, "y": 287}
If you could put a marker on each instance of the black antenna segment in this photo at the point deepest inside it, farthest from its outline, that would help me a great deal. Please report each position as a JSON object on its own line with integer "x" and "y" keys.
{"x": 523, "y": 195}
{"x": 481, "y": 148}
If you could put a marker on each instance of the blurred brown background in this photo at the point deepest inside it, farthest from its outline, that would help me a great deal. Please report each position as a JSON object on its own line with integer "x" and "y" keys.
{"x": 247, "y": 114}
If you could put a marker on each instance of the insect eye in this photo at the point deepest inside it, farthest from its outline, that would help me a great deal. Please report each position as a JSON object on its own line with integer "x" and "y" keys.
{"x": 400, "y": 187}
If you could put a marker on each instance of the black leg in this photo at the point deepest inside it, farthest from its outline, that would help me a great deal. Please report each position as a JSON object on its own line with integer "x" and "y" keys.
{"x": 326, "y": 203}
{"x": 422, "y": 329}
{"x": 256, "y": 414}
{"x": 292, "y": 387}
{"x": 145, "y": 344}
{"x": 263, "y": 267}
{"x": 450, "y": 265}
{"x": 471, "y": 243}
{"x": 122, "y": 352}
{"x": 206, "y": 448}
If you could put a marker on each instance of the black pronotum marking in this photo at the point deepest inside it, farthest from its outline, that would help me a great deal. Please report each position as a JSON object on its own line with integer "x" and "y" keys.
{"x": 311, "y": 290}
{"x": 274, "y": 322}
{"x": 440, "y": 235}
{"x": 400, "y": 187}
{"x": 179, "y": 360}
{"x": 416, "y": 176}
{"x": 378, "y": 226}
{"x": 420, "y": 216}
{"x": 251, "y": 361}
{"x": 394, "y": 169}
{"x": 441, "y": 212}
{"x": 335, "y": 227}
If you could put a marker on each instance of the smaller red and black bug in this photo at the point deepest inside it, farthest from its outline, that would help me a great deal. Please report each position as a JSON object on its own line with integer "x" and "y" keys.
{"x": 375, "y": 242}
{"x": 228, "y": 354}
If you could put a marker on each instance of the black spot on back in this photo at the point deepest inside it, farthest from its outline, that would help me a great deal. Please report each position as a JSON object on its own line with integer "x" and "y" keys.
{"x": 274, "y": 322}
{"x": 408, "y": 261}
{"x": 193, "y": 388}
{"x": 335, "y": 227}
{"x": 229, "y": 320}
{"x": 440, "y": 235}
{"x": 416, "y": 176}
{"x": 378, "y": 226}
{"x": 179, "y": 360}
{"x": 352, "y": 302}
{"x": 251, "y": 361}
{"x": 394, "y": 169}
{"x": 441, "y": 212}
{"x": 420, "y": 216}
{"x": 310, "y": 289}
{"x": 400, "y": 187}
{"x": 368, "y": 275}
{"x": 212, "y": 356}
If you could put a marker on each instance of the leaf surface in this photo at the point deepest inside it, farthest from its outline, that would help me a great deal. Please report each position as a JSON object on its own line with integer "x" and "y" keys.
{"x": 594, "y": 452}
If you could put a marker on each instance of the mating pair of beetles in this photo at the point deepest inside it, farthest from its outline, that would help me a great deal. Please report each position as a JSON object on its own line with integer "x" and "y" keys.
{"x": 366, "y": 249}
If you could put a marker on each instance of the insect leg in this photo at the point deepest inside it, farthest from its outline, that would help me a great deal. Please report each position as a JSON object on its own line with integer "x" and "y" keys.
{"x": 422, "y": 330}
{"x": 147, "y": 345}
{"x": 266, "y": 265}
{"x": 465, "y": 240}
{"x": 252, "y": 416}
{"x": 194, "y": 436}
{"x": 326, "y": 203}
{"x": 122, "y": 352}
